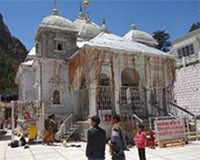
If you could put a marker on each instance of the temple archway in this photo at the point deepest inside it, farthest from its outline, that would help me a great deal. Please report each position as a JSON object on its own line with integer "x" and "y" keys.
{"x": 130, "y": 77}
{"x": 130, "y": 96}
{"x": 104, "y": 95}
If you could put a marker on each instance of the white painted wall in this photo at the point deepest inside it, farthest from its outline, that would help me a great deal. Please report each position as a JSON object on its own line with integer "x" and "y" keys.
{"x": 187, "y": 88}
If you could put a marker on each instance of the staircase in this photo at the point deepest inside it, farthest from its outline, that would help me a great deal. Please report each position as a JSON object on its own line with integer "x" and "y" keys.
{"x": 67, "y": 128}
{"x": 128, "y": 116}
{"x": 192, "y": 125}
{"x": 192, "y": 128}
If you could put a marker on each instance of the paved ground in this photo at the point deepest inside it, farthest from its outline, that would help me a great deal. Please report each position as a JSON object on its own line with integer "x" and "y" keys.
{"x": 59, "y": 152}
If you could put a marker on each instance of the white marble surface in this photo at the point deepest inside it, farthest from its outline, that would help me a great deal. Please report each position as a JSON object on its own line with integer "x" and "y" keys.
{"x": 59, "y": 152}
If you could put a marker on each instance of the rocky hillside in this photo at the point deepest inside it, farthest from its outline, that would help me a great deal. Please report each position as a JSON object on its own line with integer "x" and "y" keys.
{"x": 10, "y": 44}
{"x": 12, "y": 53}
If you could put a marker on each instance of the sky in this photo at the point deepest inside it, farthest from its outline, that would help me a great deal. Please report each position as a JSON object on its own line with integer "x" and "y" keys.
{"x": 174, "y": 16}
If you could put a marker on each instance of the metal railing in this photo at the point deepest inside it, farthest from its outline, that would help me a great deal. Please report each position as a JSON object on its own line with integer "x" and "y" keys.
{"x": 191, "y": 118}
{"x": 138, "y": 118}
{"x": 161, "y": 110}
{"x": 172, "y": 104}
{"x": 130, "y": 116}
{"x": 104, "y": 97}
{"x": 66, "y": 125}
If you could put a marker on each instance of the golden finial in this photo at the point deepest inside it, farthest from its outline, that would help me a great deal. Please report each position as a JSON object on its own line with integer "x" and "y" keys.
{"x": 86, "y": 3}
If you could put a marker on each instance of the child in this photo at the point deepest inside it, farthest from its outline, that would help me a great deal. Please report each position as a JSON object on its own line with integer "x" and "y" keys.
{"x": 152, "y": 140}
{"x": 141, "y": 141}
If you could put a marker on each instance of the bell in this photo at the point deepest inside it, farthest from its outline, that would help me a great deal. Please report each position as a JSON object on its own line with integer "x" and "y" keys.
{"x": 85, "y": 2}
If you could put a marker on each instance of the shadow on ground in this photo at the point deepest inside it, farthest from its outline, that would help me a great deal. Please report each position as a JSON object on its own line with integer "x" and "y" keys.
{"x": 4, "y": 136}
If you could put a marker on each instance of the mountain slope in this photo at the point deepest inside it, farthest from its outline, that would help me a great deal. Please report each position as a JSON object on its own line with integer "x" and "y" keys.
{"x": 12, "y": 53}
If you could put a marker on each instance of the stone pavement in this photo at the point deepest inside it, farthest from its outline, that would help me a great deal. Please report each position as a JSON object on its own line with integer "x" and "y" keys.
{"x": 59, "y": 152}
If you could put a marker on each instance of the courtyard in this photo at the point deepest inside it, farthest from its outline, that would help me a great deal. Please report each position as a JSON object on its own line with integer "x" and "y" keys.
{"x": 71, "y": 152}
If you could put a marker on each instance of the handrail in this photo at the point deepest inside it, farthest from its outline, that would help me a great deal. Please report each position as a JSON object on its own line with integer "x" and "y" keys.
{"x": 63, "y": 125}
{"x": 133, "y": 115}
{"x": 154, "y": 105}
{"x": 69, "y": 117}
{"x": 138, "y": 118}
{"x": 169, "y": 114}
{"x": 182, "y": 109}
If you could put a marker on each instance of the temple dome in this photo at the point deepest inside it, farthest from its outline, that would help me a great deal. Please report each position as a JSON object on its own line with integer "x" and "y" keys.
{"x": 86, "y": 28}
{"x": 55, "y": 21}
{"x": 140, "y": 36}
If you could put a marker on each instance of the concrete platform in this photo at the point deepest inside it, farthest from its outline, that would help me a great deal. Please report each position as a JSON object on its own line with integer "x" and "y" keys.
{"x": 59, "y": 152}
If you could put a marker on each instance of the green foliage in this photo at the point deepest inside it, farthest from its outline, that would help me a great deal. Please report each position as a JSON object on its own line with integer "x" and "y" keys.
{"x": 194, "y": 26}
{"x": 162, "y": 38}
{"x": 8, "y": 69}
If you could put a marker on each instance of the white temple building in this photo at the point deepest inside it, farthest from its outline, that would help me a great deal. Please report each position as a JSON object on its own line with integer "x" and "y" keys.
{"x": 83, "y": 69}
{"x": 186, "y": 49}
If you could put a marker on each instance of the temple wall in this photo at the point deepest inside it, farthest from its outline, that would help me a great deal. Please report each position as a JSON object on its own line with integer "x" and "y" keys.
{"x": 187, "y": 88}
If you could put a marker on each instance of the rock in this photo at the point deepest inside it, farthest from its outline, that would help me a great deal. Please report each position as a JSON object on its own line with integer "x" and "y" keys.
{"x": 10, "y": 44}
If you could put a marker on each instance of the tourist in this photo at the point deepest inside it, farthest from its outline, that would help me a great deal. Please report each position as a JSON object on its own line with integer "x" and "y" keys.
{"x": 32, "y": 132}
{"x": 96, "y": 140}
{"x": 118, "y": 140}
{"x": 48, "y": 135}
{"x": 152, "y": 139}
{"x": 141, "y": 141}
{"x": 54, "y": 125}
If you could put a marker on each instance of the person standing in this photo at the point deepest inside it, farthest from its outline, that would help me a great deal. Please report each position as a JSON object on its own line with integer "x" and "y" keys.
{"x": 96, "y": 140}
{"x": 118, "y": 140}
{"x": 141, "y": 141}
{"x": 54, "y": 125}
{"x": 48, "y": 135}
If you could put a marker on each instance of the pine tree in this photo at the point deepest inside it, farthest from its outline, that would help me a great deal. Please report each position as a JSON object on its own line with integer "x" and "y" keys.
{"x": 162, "y": 38}
{"x": 8, "y": 69}
{"x": 194, "y": 26}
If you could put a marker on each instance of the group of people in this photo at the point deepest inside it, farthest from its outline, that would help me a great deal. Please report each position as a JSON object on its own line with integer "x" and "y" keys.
{"x": 96, "y": 140}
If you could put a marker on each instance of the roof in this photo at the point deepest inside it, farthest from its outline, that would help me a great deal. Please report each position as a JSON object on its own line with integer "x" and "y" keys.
{"x": 87, "y": 29}
{"x": 188, "y": 35}
{"x": 32, "y": 52}
{"x": 114, "y": 42}
{"x": 55, "y": 21}
{"x": 140, "y": 36}
{"x": 28, "y": 63}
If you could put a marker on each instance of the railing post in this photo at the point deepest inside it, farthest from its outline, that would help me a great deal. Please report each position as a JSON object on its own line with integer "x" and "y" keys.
{"x": 72, "y": 122}
{"x": 150, "y": 123}
{"x": 195, "y": 122}
{"x": 188, "y": 128}
{"x": 164, "y": 101}
{"x": 145, "y": 102}
{"x": 13, "y": 121}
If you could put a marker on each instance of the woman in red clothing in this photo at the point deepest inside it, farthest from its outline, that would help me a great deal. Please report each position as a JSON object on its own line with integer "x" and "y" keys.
{"x": 141, "y": 141}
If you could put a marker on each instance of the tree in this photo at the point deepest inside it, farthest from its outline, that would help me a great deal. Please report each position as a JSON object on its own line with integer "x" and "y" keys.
{"x": 8, "y": 69}
{"x": 194, "y": 26}
{"x": 162, "y": 38}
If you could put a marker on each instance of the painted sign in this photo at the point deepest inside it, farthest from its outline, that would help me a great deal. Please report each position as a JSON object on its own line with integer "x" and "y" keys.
{"x": 167, "y": 130}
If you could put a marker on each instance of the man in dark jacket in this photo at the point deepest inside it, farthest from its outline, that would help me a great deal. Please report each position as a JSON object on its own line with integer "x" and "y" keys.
{"x": 96, "y": 141}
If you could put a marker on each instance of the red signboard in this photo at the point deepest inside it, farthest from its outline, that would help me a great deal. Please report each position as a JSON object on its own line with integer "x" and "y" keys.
{"x": 169, "y": 129}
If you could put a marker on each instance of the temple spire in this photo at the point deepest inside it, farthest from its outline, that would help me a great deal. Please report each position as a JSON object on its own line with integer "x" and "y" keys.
{"x": 80, "y": 13}
{"x": 55, "y": 9}
{"x": 133, "y": 25}
{"x": 104, "y": 27}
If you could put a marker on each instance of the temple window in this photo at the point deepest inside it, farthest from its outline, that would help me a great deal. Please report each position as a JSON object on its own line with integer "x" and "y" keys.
{"x": 60, "y": 45}
{"x": 37, "y": 48}
{"x": 56, "y": 97}
{"x": 186, "y": 51}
